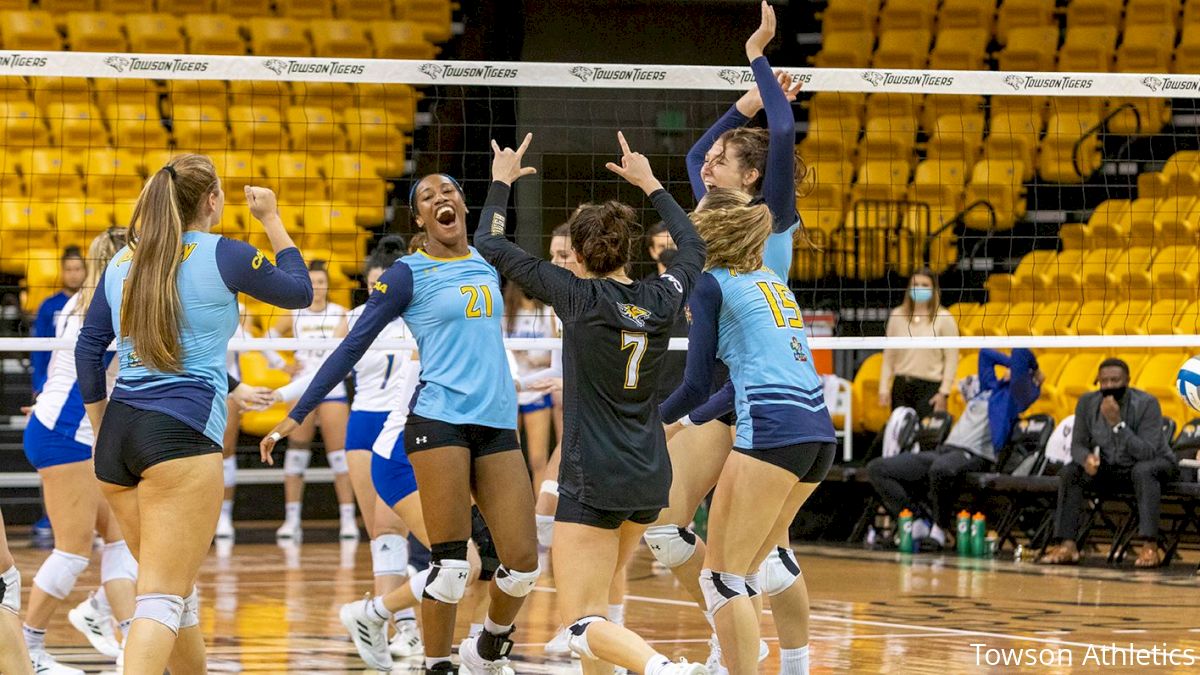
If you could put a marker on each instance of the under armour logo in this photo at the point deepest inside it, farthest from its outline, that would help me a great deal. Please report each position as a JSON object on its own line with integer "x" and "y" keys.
{"x": 422, "y": 439}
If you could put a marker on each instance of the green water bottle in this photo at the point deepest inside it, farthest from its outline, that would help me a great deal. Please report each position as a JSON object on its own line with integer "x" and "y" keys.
{"x": 978, "y": 535}
{"x": 700, "y": 521}
{"x": 962, "y": 531}
{"x": 905, "y": 525}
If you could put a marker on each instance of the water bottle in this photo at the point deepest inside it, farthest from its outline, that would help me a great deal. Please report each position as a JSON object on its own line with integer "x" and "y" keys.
{"x": 906, "y": 538}
{"x": 962, "y": 528}
{"x": 978, "y": 535}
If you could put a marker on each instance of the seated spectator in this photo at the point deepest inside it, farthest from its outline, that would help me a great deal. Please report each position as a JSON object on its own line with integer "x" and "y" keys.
{"x": 927, "y": 482}
{"x": 1117, "y": 444}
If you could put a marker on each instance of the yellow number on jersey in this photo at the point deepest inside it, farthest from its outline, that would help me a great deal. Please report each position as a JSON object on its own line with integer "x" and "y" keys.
{"x": 779, "y": 299}
{"x": 473, "y": 293}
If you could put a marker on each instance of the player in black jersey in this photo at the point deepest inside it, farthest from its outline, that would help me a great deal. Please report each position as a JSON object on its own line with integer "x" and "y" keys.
{"x": 615, "y": 474}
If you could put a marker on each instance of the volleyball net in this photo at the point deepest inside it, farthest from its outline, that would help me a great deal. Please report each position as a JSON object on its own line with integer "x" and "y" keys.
{"x": 1057, "y": 211}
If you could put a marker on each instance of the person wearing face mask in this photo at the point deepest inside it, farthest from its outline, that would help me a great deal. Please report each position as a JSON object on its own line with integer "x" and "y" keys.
{"x": 1117, "y": 440}
{"x": 919, "y": 378}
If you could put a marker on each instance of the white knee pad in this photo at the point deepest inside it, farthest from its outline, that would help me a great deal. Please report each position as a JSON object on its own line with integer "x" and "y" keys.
{"x": 10, "y": 590}
{"x": 191, "y": 610}
{"x": 337, "y": 461}
{"x": 162, "y": 608}
{"x": 577, "y": 639}
{"x": 389, "y": 555}
{"x": 752, "y": 587}
{"x": 416, "y": 583}
{"x": 116, "y": 562}
{"x": 447, "y": 580}
{"x": 295, "y": 462}
{"x": 671, "y": 545}
{"x": 229, "y": 471}
{"x": 721, "y": 587}
{"x": 779, "y": 571}
{"x": 517, "y": 584}
{"x": 545, "y": 530}
{"x": 550, "y": 487}
{"x": 57, "y": 575}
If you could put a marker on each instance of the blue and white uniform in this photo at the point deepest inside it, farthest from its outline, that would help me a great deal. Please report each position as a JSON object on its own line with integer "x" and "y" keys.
{"x": 213, "y": 271}
{"x": 540, "y": 324}
{"x": 391, "y": 473}
{"x": 307, "y": 324}
{"x": 752, "y": 323}
{"x": 376, "y": 394}
{"x": 59, "y": 431}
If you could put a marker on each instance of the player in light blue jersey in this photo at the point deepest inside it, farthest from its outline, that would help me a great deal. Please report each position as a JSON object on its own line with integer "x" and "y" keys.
{"x": 170, "y": 299}
{"x": 461, "y": 430}
{"x": 746, "y": 316}
{"x": 759, "y": 162}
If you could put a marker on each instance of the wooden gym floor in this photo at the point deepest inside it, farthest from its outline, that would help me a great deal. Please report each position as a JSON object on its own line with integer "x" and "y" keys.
{"x": 270, "y": 609}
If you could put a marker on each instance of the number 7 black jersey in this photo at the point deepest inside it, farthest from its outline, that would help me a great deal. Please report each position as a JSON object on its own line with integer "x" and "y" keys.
{"x": 615, "y": 338}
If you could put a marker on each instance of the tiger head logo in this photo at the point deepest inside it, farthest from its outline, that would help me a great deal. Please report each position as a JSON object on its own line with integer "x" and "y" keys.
{"x": 1017, "y": 82}
{"x": 634, "y": 313}
{"x": 1153, "y": 83}
{"x": 873, "y": 77}
{"x": 730, "y": 75}
{"x": 117, "y": 63}
{"x": 584, "y": 74}
{"x": 277, "y": 66}
{"x": 433, "y": 70}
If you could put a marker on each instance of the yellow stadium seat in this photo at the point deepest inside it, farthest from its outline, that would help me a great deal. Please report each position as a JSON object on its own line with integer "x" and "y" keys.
{"x": 1191, "y": 12}
{"x": 1060, "y": 278}
{"x": 76, "y": 125}
{"x": 24, "y": 225}
{"x": 400, "y": 101}
{"x": 13, "y": 88}
{"x": 881, "y": 180}
{"x": 29, "y": 30}
{"x": 1175, "y": 221}
{"x": 967, "y": 14}
{"x": 185, "y": 6}
{"x": 1151, "y": 12}
{"x": 147, "y": 162}
{"x": 1146, "y": 48}
{"x": 236, "y": 170}
{"x": 1098, "y": 274}
{"x": 860, "y": 249}
{"x": 908, "y": 14}
{"x": 23, "y": 125}
{"x": 401, "y": 40}
{"x": 54, "y": 174}
{"x": 1187, "y": 53}
{"x": 1024, "y": 282}
{"x": 126, "y": 6}
{"x": 995, "y": 317}
{"x": 1174, "y": 274}
{"x": 888, "y": 138}
{"x": 200, "y": 128}
{"x": 846, "y": 106}
{"x": 335, "y": 224}
{"x": 822, "y": 208}
{"x": 77, "y": 222}
{"x": 965, "y": 315}
{"x": 371, "y": 130}
{"x": 829, "y": 139}
{"x": 278, "y": 37}
{"x": 95, "y": 32}
{"x": 1022, "y": 13}
{"x": 155, "y": 33}
{"x": 136, "y": 126}
{"x": 1108, "y": 226}
{"x": 353, "y": 179}
{"x": 63, "y": 6}
{"x": 305, "y": 9}
{"x": 41, "y": 277}
{"x": 1054, "y": 318}
{"x": 1030, "y": 48}
{"x": 1158, "y": 379}
{"x": 846, "y": 49}
{"x": 198, "y": 92}
{"x": 959, "y": 49}
{"x": 1016, "y": 125}
{"x": 1060, "y": 160}
{"x": 902, "y": 48}
{"x": 1092, "y": 317}
{"x": 261, "y": 94}
{"x": 998, "y": 183}
{"x": 47, "y": 90}
{"x": 335, "y": 95}
{"x": 434, "y": 15}
{"x": 1088, "y": 48}
{"x": 363, "y": 11}
{"x": 243, "y": 8}
{"x": 842, "y": 15}
{"x": 1187, "y": 322}
{"x": 1132, "y": 275}
{"x": 294, "y": 179}
{"x": 893, "y": 106}
{"x": 1075, "y": 379}
{"x": 12, "y": 163}
{"x": 1073, "y": 235}
{"x": 1139, "y": 218}
{"x": 1181, "y": 173}
{"x": 315, "y": 129}
{"x": 1094, "y": 13}
{"x": 869, "y": 416}
{"x": 111, "y": 176}
{"x": 213, "y": 34}
{"x": 1164, "y": 316}
{"x": 957, "y": 138}
{"x": 256, "y": 127}
{"x": 940, "y": 184}
{"x": 342, "y": 38}
{"x": 112, "y": 91}
{"x": 940, "y": 105}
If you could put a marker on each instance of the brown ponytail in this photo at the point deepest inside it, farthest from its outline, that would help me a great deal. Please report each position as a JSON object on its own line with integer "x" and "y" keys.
{"x": 150, "y": 307}
{"x": 602, "y": 236}
{"x": 734, "y": 230}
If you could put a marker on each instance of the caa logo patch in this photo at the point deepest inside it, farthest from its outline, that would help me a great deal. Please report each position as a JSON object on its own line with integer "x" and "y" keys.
{"x": 634, "y": 313}
{"x": 380, "y": 286}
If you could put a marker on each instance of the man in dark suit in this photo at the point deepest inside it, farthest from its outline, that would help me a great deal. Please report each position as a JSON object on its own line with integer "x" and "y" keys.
{"x": 1117, "y": 442}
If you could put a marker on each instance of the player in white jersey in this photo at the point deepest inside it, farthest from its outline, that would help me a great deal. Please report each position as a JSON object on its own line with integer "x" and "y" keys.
{"x": 322, "y": 319}
{"x": 58, "y": 442}
{"x": 232, "y": 431}
{"x": 525, "y": 317}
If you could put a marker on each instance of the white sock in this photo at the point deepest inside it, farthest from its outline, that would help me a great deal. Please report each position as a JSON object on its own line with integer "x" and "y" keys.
{"x": 794, "y": 661}
{"x": 655, "y": 664}
{"x": 35, "y": 639}
{"x": 100, "y": 602}
{"x": 376, "y": 610}
{"x": 347, "y": 511}
{"x": 125, "y": 626}
{"x": 495, "y": 628}
{"x": 431, "y": 661}
{"x": 291, "y": 512}
{"x": 616, "y": 614}
{"x": 474, "y": 629}
{"x": 405, "y": 615}
{"x": 227, "y": 509}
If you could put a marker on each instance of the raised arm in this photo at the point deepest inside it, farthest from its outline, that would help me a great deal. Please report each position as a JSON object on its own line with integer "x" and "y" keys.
{"x": 705, "y": 304}
{"x": 245, "y": 269}
{"x": 779, "y": 189}
{"x": 689, "y": 260}
{"x": 988, "y": 360}
{"x": 732, "y": 119}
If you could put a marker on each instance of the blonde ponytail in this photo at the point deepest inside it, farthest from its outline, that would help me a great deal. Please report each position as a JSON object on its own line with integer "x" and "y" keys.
{"x": 734, "y": 229}
{"x": 100, "y": 252}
